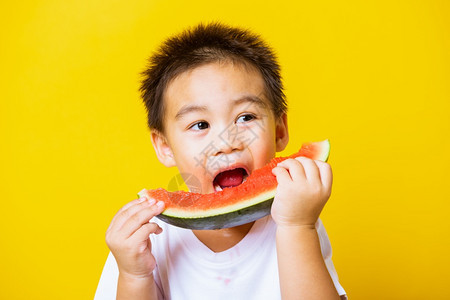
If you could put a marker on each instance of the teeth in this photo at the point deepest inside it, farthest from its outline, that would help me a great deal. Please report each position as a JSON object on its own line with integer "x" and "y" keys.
{"x": 217, "y": 188}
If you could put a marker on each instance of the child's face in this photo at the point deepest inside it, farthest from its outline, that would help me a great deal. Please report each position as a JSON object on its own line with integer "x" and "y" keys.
{"x": 217, "y": 118}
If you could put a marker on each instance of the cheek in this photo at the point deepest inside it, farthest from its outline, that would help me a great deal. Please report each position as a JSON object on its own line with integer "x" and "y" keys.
{"x": 267, "y": 147}
{"x": 263, "y": 152}
{"x": 189, "y": 158}
{"x": 266, "y": 135}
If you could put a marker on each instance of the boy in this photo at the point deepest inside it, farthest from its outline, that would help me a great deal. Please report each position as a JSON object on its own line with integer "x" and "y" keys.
{"x": 200, "y": 87}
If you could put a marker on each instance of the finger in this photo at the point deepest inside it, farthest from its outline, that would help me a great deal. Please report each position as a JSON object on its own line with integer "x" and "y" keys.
{"x": 127, "y": 206}
{"x": 124, "y": 215}
{"x": 295, "y": 169}
{"x": 311, "y": 170}
{"x": 143, "y": 195}
{"x": 281, "y": 174}
{"x": 142, "y": 234}
{"x": 140, "y": 218}
{"x": 326, "y": 174}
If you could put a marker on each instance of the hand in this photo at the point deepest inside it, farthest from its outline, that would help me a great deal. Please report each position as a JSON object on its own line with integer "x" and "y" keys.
{"x": 304, "y": 186}
{"x": 128, "y": 237}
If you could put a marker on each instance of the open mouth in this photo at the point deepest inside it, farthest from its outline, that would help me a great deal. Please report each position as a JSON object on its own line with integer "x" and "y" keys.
{"x": 229, "y": 178}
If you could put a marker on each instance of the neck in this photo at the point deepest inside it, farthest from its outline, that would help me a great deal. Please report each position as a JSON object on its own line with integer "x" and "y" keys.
{"x": 223, "y": 239}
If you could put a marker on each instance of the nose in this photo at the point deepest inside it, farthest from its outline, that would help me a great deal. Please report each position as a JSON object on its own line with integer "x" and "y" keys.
{"x": 229, "y": 139}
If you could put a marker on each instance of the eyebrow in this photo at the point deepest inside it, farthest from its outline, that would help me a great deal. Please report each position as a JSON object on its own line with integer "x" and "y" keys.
{"x": 189, "y": 108}
{"x": 251, "y": 99}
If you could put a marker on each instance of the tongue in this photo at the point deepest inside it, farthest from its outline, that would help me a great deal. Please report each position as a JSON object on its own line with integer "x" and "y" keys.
{"x": 230, "y": 178}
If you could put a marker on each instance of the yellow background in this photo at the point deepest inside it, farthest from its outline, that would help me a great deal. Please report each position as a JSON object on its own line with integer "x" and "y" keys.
{"x": 372, "y": 76}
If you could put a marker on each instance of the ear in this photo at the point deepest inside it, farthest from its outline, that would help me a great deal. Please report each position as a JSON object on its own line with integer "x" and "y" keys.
{"x": 281, "y": 133}
{"x": 162, "y": 149}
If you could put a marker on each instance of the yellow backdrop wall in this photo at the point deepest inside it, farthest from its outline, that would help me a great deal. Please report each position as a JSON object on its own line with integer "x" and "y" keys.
{"x": 372, "y": 76}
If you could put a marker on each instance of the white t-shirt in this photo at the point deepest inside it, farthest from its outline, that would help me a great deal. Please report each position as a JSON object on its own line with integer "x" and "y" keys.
{"x": 187, "y": 269}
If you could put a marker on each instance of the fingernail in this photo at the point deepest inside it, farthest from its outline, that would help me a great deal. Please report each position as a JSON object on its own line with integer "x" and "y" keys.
{"x": 160, "y": 204}
{"x": 142, "y": 199}
{"x": 151, "y": 201}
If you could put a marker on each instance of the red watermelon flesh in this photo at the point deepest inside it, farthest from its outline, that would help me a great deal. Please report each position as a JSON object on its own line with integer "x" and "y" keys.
{"x": 235, "y": 204}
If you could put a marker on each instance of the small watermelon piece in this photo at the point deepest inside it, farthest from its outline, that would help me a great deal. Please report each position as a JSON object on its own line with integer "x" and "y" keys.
{"x": 232, "y": 206}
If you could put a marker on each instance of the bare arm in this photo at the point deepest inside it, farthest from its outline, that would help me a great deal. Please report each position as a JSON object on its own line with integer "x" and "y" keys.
{"x": 133, "y": 288}
{"x": 304, "y": 186}
{"x": 302, "y": 270}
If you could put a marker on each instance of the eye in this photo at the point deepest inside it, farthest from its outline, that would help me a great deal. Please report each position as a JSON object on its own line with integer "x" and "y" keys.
{"x": 202, "y": 125}
{"x": 245, "y": 118}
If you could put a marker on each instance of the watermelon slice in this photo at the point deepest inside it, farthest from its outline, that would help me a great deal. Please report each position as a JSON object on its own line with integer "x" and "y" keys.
{"x": 232, "y": 206}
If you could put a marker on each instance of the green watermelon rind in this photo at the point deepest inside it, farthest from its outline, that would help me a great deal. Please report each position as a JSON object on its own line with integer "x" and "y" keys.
{"x": 225, "y": 220}
{"x": 236, "y": 214}
{"x": 325, "y": 154}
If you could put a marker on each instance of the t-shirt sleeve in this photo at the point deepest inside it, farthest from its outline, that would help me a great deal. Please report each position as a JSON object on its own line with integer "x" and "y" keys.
{"x": 107, "y": 286}
{"x": 325, "y": 247}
